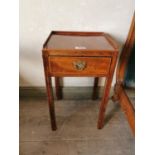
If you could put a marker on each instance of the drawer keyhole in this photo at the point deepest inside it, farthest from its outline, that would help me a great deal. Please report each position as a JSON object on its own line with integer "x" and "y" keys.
{"x": 79, "y": 65}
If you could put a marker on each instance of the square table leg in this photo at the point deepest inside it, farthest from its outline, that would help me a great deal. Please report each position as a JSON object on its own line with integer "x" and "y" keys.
{"x": 106, "y": 93}
{"x": 58, "y": 89}
{"x": 104, "y": 103}
{"x": 95, "y": 88}
{"x": 49, "y": 94}
{"x": 51, "y": 103}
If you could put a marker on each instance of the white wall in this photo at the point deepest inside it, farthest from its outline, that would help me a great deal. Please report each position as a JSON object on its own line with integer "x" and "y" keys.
{"x": 39, "y": 17}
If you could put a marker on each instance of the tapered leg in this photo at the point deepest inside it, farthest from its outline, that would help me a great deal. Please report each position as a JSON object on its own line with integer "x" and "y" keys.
{"x": 104, "y": 103}
{"x": 106, "y": 93}
{"x": 58, "y": 89}
{"x": 95, "y": 95}
{"x": 51, "y": 103}
{"x": 49, "y": 93}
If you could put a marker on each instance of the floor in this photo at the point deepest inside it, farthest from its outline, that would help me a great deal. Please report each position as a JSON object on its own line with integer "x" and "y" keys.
{"x": 77, "y": 133}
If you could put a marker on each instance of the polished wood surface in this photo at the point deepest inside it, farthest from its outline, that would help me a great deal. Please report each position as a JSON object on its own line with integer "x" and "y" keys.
{"x": 78, "y": 42}
{"x": 81, "y": 54}
{"x": 64, "y": 66}
{"x": 69, "y": 40}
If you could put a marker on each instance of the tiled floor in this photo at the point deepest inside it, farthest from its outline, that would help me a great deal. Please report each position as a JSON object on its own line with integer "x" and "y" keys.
{"x": 77, "y": 133}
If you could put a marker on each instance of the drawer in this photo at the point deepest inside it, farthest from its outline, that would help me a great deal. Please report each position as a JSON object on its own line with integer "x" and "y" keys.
{"x": 79, "y": 66}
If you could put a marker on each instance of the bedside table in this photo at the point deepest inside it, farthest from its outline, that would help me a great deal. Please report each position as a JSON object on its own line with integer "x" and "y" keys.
{"x": 79, "y": 54}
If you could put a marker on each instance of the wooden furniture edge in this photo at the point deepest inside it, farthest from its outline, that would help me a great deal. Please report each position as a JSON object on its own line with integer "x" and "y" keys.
{"x": 124, "y": 58}
{"x": 112, "y": 41}
{"x": 126, "y": 105}
{"x": 119, "y": 88}
{"x": 83, "y": 33}
{"x": 79, "y": 33}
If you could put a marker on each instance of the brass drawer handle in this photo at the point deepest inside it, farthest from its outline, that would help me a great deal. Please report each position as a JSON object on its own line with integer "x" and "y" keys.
{"x": 79, "y": 65}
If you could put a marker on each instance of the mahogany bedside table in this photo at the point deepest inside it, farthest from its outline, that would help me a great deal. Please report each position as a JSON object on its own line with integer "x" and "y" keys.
{"x": 79, "y": 54}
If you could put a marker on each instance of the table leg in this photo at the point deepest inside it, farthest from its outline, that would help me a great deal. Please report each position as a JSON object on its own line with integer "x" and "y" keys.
{"x": 104, "y": 103}
{"x": 58, "y": 89}
{"x": 51, "y": 103}
{"x": 106, "y": 93}
{"x": 95, "y": 95}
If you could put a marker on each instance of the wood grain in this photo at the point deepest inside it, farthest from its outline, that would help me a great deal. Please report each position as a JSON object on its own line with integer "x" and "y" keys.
{"x": 63, "y": 66}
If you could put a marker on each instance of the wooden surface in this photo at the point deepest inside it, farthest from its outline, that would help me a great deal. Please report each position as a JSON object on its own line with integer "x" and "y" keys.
{"x": 63, "y": 66}
{"x": 79, "y": 54}
{"x": 71, "y": 40}
{"x": 79, "y": 44}
{"x": 119, "y": 90}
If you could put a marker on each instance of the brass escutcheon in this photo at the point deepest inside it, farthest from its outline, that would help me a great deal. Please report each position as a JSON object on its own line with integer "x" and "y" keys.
{"x": 79, "y": 65}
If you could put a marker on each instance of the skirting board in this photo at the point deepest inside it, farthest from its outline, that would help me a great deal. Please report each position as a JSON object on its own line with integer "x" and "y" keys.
{"x": 68, "y": 92}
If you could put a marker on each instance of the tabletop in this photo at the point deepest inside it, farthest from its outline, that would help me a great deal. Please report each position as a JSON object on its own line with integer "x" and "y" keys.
{"x": 58, "y": 40}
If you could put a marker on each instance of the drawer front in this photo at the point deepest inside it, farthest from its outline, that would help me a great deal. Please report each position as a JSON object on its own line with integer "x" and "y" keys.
{"x": 79, "y": 66}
